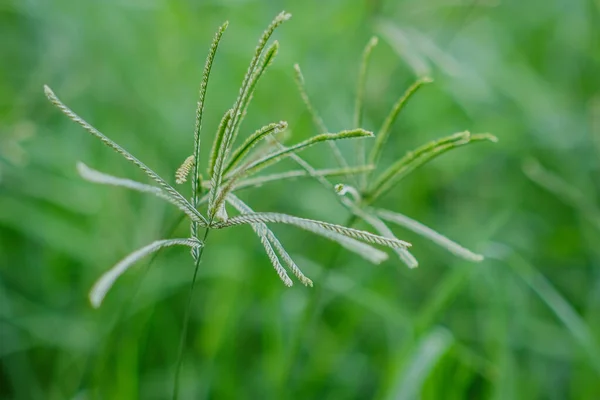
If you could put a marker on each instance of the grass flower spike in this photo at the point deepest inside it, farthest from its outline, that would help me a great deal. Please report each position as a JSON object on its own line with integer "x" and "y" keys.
{"x": 359, "y": 199}
{"x": 230, "y": 170}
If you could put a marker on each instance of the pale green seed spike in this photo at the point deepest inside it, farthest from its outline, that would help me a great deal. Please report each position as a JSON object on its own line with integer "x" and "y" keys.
{"x": 358, "y": 105}
{"x": 308, "y": 224}
{"x": 200, "y": 109}
{"x": 403, "y": 254}
{"x": 256, "y": 137}
{"x": 92, "y": 175}
{"x": 362, "y": 80}
{"x": 174, "y": 194}
{"x": 183, "y": 171}
{"x": 317, "y": 120}
{"x": 262, "y": 229}
{"x": 384, "y": 132}
{"x": 198, "y": 125}
{"x": 106, "y": 281}
{"x": 278, "y": 155}
{"x": 217, "y": 142}
{"x": 299, "y": 173}
{"x": 424, "y": 154}
{"x": 430, "y": 234}
{"x": 265, "y": 63}
{"x": 236, "y": 115}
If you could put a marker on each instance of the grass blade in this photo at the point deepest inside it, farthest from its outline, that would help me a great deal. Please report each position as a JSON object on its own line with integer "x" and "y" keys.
{"x": 427, "y": 354}
{"x": 560, "y": 307}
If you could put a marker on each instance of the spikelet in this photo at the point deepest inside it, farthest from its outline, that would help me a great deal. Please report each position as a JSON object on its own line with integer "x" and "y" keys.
{"x": 184, "y": 170}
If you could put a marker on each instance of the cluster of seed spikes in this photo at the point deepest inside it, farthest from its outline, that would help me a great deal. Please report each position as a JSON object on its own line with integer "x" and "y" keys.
{"x": 232, "y": 170}
{"x": 367, "y": 190}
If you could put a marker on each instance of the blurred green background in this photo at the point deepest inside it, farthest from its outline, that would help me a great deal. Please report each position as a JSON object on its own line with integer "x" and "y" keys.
{"x": 523, "y": 324}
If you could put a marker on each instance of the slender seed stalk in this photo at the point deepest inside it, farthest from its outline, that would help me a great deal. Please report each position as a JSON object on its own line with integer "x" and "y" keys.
{"x": 186, "y": 320}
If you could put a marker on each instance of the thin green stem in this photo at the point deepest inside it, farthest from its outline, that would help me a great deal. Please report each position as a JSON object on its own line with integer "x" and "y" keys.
{"x": 186, "y": 320}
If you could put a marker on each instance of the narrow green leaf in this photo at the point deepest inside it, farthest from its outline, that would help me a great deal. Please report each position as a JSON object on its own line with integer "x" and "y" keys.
{"x": 428, "y": 352}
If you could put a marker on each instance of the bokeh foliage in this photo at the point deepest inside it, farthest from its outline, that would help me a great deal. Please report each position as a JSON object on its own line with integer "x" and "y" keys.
{"x": 525, "y": 323}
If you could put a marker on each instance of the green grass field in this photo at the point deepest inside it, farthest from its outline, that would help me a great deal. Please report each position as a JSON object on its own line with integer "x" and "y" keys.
{"x": 522, "y": 324}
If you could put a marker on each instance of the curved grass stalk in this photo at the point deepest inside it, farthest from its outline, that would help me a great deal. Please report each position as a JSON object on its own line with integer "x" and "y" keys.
{"x": 405, "y": 256}
{"x": 428, "y": 233}
{"x": 358, "y": 104}
{"x": 214, "y": 152}
{"x": 253, "y": 167}
{"x": 305, "y": 223}
{"x": 176, "y": 196}
{"x": 362, "y": 80}
{"x": 286, "y": 151}
{"x": 103, "y": 285}
{"x": 262, "y": 230}
{"x": 265, "y": 63}
{"x": 364, "y": 250}
{"x": 200, "y": 109}
{"x": 417, "y": 158}
{"x": 236, "y": 115}
{"x": 198, "y": 126}
{"x": 317, "y": 120}
{"x": 95, "y": 176}
{"x": 300, "y": 173}
{"x": 252, "y": 140}
{"x": 384, "y": 131}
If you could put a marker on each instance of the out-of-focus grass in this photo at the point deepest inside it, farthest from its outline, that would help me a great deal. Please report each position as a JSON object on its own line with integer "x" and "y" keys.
{"x": 523, "y": 324}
